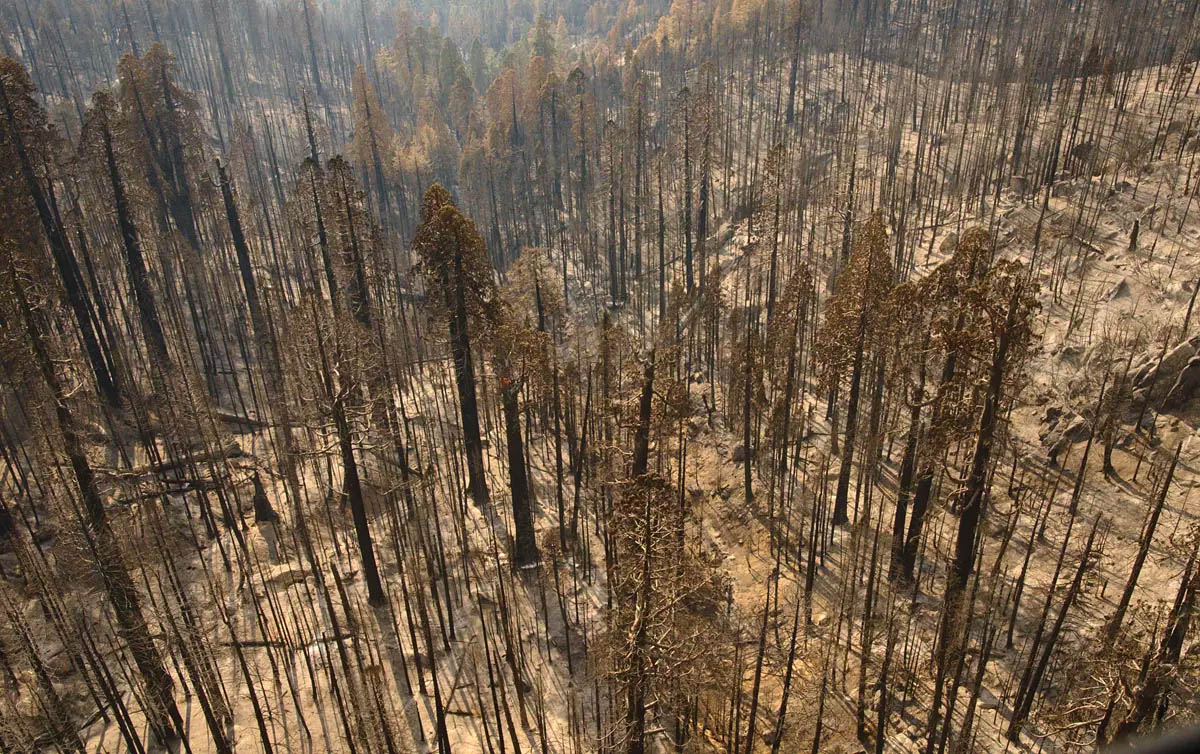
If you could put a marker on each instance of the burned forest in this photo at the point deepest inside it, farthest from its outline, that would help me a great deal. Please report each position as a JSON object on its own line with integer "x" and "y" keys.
{"x": 590, "y": 376}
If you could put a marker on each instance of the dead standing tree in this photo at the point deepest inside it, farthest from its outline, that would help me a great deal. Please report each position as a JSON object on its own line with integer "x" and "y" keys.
{"x": 999, "y": 334}
{"x": 512, "y": 345}
{"x": 27, "y": 133}
{"x": 332, "y": 356}
{"x": 455, "y": 264}
{"x": 27, "y": 340}
{"x": 665, "y": 615}
{"x": 941, "y": 308}
{"x": 852, "y": 327}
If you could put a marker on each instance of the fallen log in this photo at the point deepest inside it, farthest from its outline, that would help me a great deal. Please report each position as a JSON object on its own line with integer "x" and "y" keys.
{"x": 244, "y": 421}
{"x": 279, "y": 643}
{"x": 229, "y": 450}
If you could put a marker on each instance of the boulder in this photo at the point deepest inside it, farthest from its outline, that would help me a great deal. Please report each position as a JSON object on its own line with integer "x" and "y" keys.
{"x": 1051, "y": 415}
{"x": 1153, "y": 380}
{"x": 1119, "y": 291}
{"x": 60, "y": 664}
{"x": 987, "y": 700}
{"x": 1185, "y": 385}
{"x": 285, "y": 575}
{"x": 1064, "y": 189}
{"x": 1061, "y": 431}
{"x": 1071, "y": 354}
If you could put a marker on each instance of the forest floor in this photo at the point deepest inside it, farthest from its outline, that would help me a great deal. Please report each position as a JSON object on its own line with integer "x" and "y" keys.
{"x": 1091, "y": 287}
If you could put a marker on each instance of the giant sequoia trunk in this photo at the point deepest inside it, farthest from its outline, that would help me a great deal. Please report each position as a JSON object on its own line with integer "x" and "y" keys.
{"x": 360, "y": 300}
{"x": 352, "y": 486}
{"x": 977, "y": 483}
{"x": 951, "y": 626}
{"x": 641, "y": 436}
{"x": 636, "y": 684}
{"x": 690, "y": 277}
{"x": 903, "y": 492}
{"x": 526, "y": 549}
{"x": 842, "y": 500}
{"x": 464, "y": 377}
{"x": 312, "y": 51}
{"x": 183, "y": 212}
{"x": 351, "y": 482}
{"x": 323, "y": 238}
{"x": 924, "y": 485}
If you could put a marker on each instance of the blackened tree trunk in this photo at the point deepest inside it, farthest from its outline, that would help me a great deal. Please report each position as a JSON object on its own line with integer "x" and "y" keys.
{"x": 267, "y": 350}
{"x": 635, "y": 692}
{"x": 464, "y": 375}
{"x": 312, "y": 51}
{"x": 161, "y": 712}
{"x": 903, "y": 492}
{"x": 360, "y": 300}
{"x": 690, "y": 277}
{"x": 842, "y": 499}
{"x": 526, "y": 552}
{"x": 977, "y": 483}
{"x": 64, "y": 260}
{"x": 641, "y": 437}
{"x": 352, "y": 486}
{"x": 249, "y": 284}
{"x": 924, "y": 485}
{"x": 1114, "y": 624}
{"x": 795, "y": 64}
{"x": 662, "y": 264}
{"x": 135, "y": 264}
{"x": 747, "y": 374}
{"x": 1025, "y": 695}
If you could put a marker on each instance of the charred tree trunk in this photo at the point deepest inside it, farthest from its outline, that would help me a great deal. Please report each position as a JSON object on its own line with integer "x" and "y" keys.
{"x": 464, "y": 374}
{"x": 526, "y": 553}
{"x": 977, "y": 483}
{"x": 102, "y": 543}
{"x": 1114, "y": 625}
{"x": 641, "y": 438}
{"x": 135, "y": 264}
{"x": 64, "y": 261}
{"x": 842, "y": 499}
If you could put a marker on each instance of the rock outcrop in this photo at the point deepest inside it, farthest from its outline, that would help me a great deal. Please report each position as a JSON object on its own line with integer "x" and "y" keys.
{"x": 1060, "y": 430}
{"x": 1171, "y": 382}
{"x": 1184, "y": 387}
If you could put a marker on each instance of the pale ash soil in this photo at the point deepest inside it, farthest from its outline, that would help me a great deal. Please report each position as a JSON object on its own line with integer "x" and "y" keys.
{"x": 1158, "y": 289}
